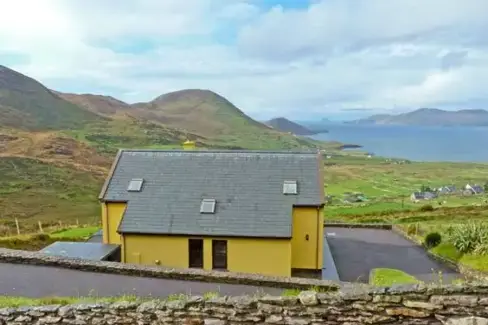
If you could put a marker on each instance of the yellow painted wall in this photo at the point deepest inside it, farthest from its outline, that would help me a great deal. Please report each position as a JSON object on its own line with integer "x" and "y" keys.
{"x": 307, "y": 254}
{"x": 112, "y": 214}
{"x": 263, "y": 256}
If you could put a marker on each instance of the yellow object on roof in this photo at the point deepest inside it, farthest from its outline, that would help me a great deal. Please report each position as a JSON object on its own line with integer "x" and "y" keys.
{"x": 189, "y": 145}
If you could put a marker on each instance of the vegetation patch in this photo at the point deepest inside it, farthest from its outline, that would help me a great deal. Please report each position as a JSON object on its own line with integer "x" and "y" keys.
{"x": 35, "y": 242}
{"x": 385, "y": 277}
{"x": 75, "y": 232}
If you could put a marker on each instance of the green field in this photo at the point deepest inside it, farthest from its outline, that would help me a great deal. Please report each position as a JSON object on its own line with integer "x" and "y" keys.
{"x": 388, "y": 184}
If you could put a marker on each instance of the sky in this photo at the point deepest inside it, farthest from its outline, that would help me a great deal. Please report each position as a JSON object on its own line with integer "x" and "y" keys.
{"x": 302, "y": 59}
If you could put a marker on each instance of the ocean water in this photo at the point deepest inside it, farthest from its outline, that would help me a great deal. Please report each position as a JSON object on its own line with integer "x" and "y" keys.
{"x": 456, "y": 144}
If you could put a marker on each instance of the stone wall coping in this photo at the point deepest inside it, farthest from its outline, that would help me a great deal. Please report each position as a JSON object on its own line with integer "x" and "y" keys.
{"x": 385, "y": 226}
{"x": 36, "y": 258}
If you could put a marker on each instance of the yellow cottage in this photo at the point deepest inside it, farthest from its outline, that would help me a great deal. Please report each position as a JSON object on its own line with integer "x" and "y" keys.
{"x": 240, "y": 211}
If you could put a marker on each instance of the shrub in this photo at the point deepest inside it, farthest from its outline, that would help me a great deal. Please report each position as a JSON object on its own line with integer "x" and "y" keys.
{"x": 426, "y": 208}
{"x": 467, "y": 237}
{"x": 432, "y": 239}
{"x": 481, "y": 249}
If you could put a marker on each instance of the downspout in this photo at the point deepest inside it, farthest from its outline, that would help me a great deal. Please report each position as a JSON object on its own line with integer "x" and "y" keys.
{"x": 317, "y": 248}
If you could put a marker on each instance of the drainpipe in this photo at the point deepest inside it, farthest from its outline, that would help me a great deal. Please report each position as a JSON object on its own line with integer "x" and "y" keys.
{"x": 317, "y": 250}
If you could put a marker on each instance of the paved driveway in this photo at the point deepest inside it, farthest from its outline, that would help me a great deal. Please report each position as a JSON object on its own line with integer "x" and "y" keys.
{"x": 42, "y": 281}
{"x": 357, "y": 251}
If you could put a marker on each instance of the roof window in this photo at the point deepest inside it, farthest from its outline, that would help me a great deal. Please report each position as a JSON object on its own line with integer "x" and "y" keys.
{"x": 207, "y": 206}
{"x": 290, "y": 187}
{"x": 135, "y": 185}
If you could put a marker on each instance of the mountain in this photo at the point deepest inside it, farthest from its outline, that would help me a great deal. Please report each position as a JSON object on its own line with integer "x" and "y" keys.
{"x": 197, "y": 110}
{"x": 285, "y": 125}
{"x": 431, "y": 117}
{"x": 27, "y": 104}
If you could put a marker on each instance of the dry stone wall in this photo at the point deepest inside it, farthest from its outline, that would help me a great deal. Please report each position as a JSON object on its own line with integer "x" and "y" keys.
{"x": 409, "y": 305}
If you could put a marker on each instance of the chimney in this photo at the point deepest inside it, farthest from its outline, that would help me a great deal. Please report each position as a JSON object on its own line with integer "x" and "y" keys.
{"x": 189, "y": 145}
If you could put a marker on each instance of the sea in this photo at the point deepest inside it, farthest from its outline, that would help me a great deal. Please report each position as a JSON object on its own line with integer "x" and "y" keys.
{"x": 417, "y": 143}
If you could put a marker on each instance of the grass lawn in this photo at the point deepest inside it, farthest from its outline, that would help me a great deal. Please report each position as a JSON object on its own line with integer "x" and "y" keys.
{"x": 76, "y": 232}
{"x": 384, "y": 277}
{"x": 476, "y": 262}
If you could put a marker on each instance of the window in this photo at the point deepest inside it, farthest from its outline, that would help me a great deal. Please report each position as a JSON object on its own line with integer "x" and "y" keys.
{"x": 290, "y": 187}
{"x": 135, "y": 185}
{"x": 195, "y": 253}
{"x": 207, "y": 206}
{"x": 219, "y": 254}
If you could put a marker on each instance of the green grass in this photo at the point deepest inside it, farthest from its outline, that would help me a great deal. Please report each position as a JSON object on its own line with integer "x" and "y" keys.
{"x": 388, "y": 186}
{"x": 17, "y": 301}
{"x": 387, "y": 277}
{"x": 75, "y": 232}
{"x": 476, "y": 262}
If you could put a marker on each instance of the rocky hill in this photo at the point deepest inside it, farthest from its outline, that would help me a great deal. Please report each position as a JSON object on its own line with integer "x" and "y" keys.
{"x": 285, "y": 125}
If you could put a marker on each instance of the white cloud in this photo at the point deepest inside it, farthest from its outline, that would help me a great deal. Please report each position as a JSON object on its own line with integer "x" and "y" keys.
{"x": 332, "y": 55}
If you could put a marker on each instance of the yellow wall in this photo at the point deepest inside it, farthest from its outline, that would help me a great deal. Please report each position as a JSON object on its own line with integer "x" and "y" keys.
{"x": 307, "y": 254}
{"x": 263, "y": 256}
{"x": 112, "y": 214}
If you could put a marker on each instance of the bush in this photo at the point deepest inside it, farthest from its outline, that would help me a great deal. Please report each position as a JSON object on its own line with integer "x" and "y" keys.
{"x": 426, "y": 208}
{"x": 467, "y": 237}
{"x": 432, "y": 239}
{"x": 481, "y": 249}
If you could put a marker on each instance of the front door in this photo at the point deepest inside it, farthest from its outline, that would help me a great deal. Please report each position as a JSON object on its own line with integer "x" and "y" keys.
{"x": 195, "y": 252}
{"x": 219, "y": 254}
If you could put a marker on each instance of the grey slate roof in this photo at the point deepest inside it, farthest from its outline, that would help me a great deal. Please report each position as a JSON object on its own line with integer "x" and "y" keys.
{"x": 247, "y": 185}
{"x": 87, "y": 251}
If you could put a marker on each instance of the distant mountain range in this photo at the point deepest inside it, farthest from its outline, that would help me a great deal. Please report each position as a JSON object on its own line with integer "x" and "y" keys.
{"x": 430, "y": 117}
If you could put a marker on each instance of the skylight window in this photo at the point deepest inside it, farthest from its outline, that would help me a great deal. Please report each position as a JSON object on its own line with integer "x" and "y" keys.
{"x": 290, "y": 187}
{"x": 207, "y": 206}
{"x": 135, "y": 185}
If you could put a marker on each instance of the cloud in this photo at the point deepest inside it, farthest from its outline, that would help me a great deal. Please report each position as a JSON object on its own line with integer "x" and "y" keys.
{"x": 288, "y": 58}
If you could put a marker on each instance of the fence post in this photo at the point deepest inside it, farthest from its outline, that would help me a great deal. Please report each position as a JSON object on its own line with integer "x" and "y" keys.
{"x": 17, "y": 226}
{"x": 40, "y": 227}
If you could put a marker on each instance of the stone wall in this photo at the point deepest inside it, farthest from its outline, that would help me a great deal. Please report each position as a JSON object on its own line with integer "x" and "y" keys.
{"x": 36, "y": 258}
{"x": 410, "y": 305}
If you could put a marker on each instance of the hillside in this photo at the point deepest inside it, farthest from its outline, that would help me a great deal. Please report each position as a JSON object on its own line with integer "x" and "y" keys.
{"x": 285, "y": 125}
{"x": 431, "y": 117}
{"x": 104, "y": 105}
{"x": 27, "y": 104}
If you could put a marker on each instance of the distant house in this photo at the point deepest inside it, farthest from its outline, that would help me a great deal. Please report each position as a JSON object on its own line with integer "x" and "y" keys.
{"x": 448, "y": 189}
{"x": 353, "y": 197}
{"x": 417, "y": 196}
{"x": 474, "y": 189}
{"x": 429, "y": 195}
